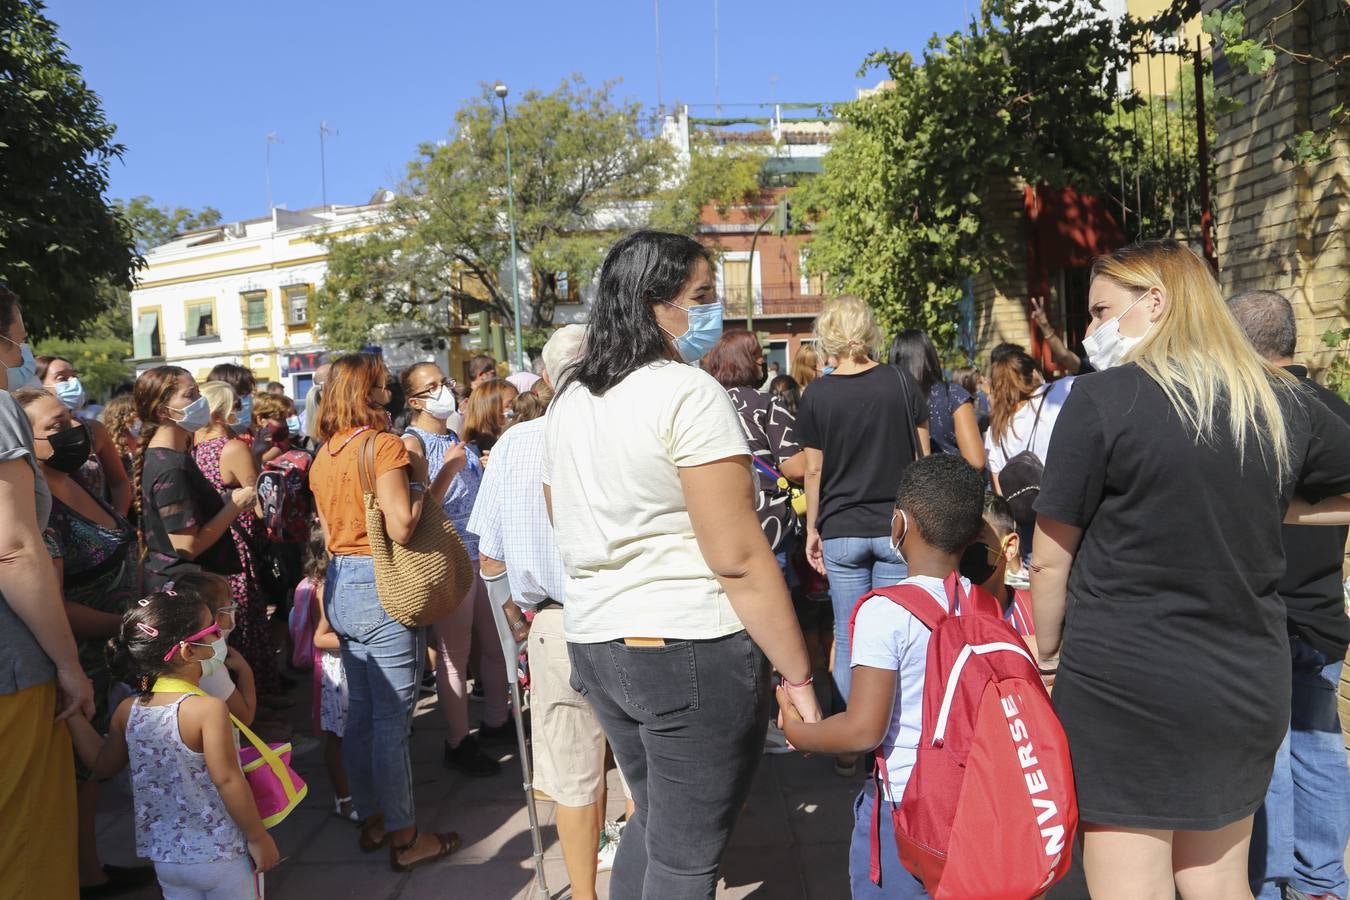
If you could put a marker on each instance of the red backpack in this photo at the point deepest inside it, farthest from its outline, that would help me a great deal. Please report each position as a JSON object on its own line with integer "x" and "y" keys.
{"x": 989, "y": 810}
{"x": 283, "y": 492}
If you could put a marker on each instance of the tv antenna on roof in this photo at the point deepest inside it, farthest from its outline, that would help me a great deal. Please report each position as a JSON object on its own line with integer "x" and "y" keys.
{"x": 271, "y": 139}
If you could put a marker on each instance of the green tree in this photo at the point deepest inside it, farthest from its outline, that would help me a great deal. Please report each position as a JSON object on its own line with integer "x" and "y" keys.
{"x": 900, "y": 207}
{"x": 719, "y": 174}
{"x": 152, "y": 225}
{"x": 60, "y": 240}
{"x": 104, "y": 342}
{"x": 581, "y": 159}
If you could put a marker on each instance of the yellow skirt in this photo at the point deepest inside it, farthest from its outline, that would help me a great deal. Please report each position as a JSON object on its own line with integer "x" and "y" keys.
{"x": 37, "y": 799}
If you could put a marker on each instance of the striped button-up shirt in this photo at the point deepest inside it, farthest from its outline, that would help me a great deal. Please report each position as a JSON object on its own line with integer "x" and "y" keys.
{"x": 511, "y": 518}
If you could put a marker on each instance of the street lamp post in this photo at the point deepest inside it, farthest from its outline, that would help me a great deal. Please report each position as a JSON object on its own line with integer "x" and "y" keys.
{"x": 500, "y": 90}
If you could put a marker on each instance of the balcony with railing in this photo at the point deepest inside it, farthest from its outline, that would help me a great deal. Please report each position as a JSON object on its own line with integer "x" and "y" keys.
{"x": 774, "y": 300}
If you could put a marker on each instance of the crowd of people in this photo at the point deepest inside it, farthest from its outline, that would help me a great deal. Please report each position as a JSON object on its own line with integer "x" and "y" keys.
{"x": 690, "y": 537}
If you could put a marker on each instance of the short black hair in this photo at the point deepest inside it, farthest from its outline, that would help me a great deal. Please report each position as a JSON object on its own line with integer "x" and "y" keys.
{"x": 1004, "y": 350}
{"x": 998, "y": 514}
{"x": 1268, "y": 321}
{"x": 944, "y": 498}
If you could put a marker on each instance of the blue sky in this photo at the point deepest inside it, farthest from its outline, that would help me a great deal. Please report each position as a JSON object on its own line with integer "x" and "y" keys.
{"x": 195, "y": 87}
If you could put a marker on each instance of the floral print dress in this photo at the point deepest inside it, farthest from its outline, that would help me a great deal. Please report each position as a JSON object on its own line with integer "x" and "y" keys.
{"x": 251, "y": 633}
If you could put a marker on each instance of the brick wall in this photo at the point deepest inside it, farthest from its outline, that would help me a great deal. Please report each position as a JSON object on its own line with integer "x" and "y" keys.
{"x": 1000, "y": 304}
{"x": 1279, "y": 225}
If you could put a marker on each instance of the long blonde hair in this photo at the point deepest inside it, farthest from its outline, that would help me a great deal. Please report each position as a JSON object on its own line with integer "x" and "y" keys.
{"x": 1197, "y": 354}
{"x": 846, "y": 327}
{"x": 805, "y": 363}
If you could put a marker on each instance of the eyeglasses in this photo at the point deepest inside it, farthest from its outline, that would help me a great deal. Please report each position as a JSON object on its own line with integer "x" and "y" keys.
{"x": 208, "y": 631}
{"x": 227, "y": 612}
{"x": 436, "y": 386}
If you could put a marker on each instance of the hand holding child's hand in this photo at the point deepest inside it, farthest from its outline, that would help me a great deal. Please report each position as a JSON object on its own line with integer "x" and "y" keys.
{"x": 264, "y": 852}
{"x": 787, "y": 712}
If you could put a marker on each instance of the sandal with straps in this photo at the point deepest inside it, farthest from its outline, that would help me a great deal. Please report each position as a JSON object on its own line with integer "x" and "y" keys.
{"x": 449, "y": 842}
{"x": 366, "y": 842}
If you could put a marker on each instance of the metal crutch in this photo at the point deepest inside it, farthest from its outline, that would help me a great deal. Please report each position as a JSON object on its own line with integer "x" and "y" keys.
{"x": 499, "y": 592}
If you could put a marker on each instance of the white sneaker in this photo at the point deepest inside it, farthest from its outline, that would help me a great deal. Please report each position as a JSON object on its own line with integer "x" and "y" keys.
{"x": 609, "y": 846}
{"x": 775, "y": 742}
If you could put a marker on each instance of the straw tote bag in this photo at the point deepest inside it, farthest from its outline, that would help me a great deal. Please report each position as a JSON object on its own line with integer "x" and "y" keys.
{"x": 421, "y": 581}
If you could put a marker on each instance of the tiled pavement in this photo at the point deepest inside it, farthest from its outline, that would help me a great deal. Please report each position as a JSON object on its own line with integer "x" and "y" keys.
{"x": 791, "y": 842}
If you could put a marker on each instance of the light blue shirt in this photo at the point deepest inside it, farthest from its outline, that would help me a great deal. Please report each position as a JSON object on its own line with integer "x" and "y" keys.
{"x": 463, "y": 491}
{"x": 886, "y": 636}
{"x": 511, "y": 518}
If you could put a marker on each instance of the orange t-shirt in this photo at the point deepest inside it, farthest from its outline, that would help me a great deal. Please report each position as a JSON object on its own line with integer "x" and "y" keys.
{"x": 337, "y": 487}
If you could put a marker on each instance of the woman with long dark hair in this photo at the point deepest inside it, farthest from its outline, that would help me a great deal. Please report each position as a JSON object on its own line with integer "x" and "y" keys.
{"x": 382, "y": 658}
{"x": 103, "y": 474}
{"x": 184, "y": 523}
{"x": 953, "y": 426}
{"x": 673, "y": 595}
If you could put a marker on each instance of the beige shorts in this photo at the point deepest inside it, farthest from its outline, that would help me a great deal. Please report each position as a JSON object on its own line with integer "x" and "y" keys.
{"x": 568, "y": 744}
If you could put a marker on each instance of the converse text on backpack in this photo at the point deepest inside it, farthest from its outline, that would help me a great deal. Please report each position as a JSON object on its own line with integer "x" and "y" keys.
{"x": 1046, "y": 808}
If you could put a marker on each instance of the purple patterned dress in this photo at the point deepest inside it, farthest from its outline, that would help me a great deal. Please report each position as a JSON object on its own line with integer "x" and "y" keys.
{"x": 251, "y": 633}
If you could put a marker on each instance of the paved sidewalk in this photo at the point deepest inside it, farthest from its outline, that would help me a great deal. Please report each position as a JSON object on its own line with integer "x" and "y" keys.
{"x": 791, "y": 842}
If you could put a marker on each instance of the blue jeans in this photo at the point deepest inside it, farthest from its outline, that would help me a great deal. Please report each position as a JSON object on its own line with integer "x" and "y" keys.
{"x": 1300, "y": 833}
{"x": 896, "y": 881}
{"x": 383, "y": 663}
{"x": 686, "y": 721}
{"x": 856, "y": 565}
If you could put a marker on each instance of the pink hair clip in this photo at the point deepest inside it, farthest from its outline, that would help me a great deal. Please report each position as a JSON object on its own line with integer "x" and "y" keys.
{"x": 147, "y": 629}
{"x": 144, "y": 601}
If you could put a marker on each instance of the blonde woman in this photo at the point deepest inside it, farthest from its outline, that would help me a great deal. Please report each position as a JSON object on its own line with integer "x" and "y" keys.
{"x": 807, "y": 365}
{"x": 1168, "y": 476}
{"x": 860, "y": 427}
{"x": 228, "y": 463}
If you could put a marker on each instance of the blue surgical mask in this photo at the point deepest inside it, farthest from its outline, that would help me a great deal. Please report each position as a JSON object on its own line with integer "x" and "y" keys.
{"x": 705, "y": 327}
{"x": 195, "y": 416}
{"x": 827, "y": 370}
{"x": 243, "y": 420}
{"x": 71, "y": 393}
{"x": 25, "y": 373}
{"x": 293, "y": 425}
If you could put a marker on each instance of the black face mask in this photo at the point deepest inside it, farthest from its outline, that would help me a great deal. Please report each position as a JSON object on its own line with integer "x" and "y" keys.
{"x": 763, "y": 372}
{"x": 975, "y": 563}
{"x": 70, "y": 449}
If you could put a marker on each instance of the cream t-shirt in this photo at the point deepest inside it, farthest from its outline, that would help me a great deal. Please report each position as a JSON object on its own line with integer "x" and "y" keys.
{"x": 612, "y": 463}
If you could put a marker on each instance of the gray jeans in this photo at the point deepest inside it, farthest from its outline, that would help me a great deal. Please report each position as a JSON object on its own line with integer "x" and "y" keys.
{"x": 686, "y": 722}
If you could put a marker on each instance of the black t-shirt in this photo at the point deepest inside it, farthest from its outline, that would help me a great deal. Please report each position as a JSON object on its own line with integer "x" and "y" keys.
{"x": 1314, "y": 557}
{"x": 863, "y": 425}
{"x": 1182, "y": 545}
{"x": 176, "y": 496}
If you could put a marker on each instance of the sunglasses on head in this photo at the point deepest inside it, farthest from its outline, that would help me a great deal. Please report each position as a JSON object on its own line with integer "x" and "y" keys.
{"x": 209, "y": 631}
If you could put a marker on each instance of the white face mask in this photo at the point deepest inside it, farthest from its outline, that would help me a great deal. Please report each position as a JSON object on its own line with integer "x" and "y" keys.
{"x": 904, "y": 530}
{"x": 1106, "y": 346}
{"x": 442, "y": 404}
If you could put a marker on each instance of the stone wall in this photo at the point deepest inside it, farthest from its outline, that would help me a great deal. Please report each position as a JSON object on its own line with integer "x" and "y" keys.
{"x": 1280, "y": 225}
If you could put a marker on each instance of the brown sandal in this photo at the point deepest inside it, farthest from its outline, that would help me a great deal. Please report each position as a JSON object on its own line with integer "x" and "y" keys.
{"x": 366, "y": 842}
{"x": 449, "y": 842}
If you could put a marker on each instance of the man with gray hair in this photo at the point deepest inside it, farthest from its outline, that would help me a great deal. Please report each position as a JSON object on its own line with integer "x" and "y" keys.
{"x": 1306, "y": 815}
{"x": 511, "y": 520}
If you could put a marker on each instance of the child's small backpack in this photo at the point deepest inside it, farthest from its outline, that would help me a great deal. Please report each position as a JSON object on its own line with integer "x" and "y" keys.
{"x": 990, "y": 809}
{"x": 283, "y": 492}
{"x": 302, "y": 622}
